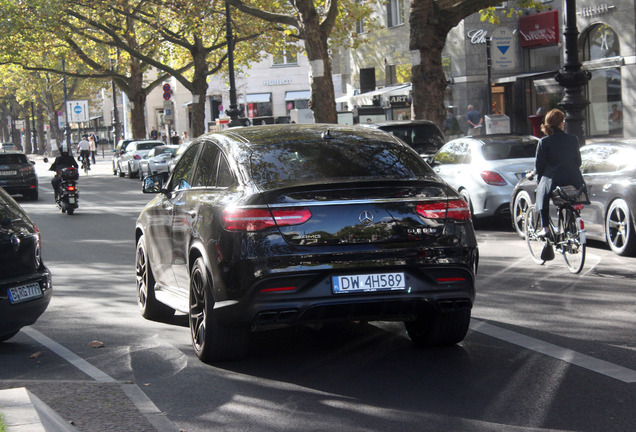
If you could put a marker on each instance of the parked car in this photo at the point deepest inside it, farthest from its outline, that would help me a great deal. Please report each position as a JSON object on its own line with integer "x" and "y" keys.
{"x": 128, "y": 163}
{"x": 25, "y": 282}
{"x": 485, "y": 169}
{"x": 8, "y": 146}
{"x": 277, "y": 225}
{"x": 157, "y": 160}
{"x": 17, "y": 174}
{"x": 424, "y": 136}
{"x": 118, "y": 151}
{"x": 609, "y": 170}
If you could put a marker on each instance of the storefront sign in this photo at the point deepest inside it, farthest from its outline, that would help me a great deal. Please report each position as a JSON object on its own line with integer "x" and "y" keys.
{"x": 399, "y": 100}
{"x": 283, "y": 81}
{"x": 539, "y": 29}
{"x": 477, "y": 36}
{"x": 592, "y": 11}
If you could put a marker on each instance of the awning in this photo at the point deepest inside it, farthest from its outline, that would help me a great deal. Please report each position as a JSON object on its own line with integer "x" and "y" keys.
{"x": 258, "y": 97}
{"x": 297, "y": 95}
{"x": 367, "y": 98}
{"x": 513, "y": 78}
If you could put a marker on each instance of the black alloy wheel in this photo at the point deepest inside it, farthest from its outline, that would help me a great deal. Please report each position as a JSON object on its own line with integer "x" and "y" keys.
{"x": 212, "y": 341}
{"x": 149, "y": 307}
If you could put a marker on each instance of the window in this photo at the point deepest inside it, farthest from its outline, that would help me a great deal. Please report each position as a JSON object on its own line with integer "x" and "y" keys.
{"x": 453, "y": 153}
{"x": 224, "y": 176}
{"x": 284, "y": 57}
{"x": 206, "y": 167}
{"x": 181, "y": 174}
{"x": 395, "y": 13}
{"x": 606, "y": 159}
{"x": 259, "y": 104}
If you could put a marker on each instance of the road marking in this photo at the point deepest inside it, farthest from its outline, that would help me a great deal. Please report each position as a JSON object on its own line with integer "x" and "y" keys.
{"x": 590, "y": 363}
{"x": 69, "y": 356}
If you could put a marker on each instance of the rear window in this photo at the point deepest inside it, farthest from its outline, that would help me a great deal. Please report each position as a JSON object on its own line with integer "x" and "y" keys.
{"x": 317, "y": 162}
{"x": 510, "y": 149}
{"x": 425, "y": 138}
{"x": 147, "y": 146}
{"x": 8, "y": 159}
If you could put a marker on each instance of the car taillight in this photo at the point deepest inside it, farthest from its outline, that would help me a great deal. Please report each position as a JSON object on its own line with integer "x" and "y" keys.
{"x": 137, "y": 157}
{"x": 492, "y": 178}
{"x": 453, "y": 209}
{"x": 27, "y": 170}
{"x": 258, "y": 219}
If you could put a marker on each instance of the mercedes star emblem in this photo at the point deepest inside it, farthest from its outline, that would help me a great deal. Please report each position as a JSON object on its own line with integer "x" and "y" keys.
{"x": 366, "y": 218}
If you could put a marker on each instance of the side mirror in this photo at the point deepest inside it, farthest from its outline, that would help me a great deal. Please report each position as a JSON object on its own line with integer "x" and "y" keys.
{"x": 153, "y": 184}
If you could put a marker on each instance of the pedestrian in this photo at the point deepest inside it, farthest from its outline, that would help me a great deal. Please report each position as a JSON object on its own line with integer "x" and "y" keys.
{"x": 83, "y": 147}
{"x": 557, "y": 163}
{"x": 475, "y": 121}
{"x": 164, "y": 138}
{"x": 175, "y": 139}
{"x": 184, "y": 137}
{"x": 153, "y": 133}
{"x": 448, "y": 122}
{"x": 92, "y": 147}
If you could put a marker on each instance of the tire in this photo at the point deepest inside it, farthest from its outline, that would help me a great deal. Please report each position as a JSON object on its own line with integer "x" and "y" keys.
{"x": 519, "y": 209}
{"x": 149, "y": 307}
{"x": 114, "y": 170}
{"x": 572, "y": 248}
{"x": 619, "y": 229}
{"x": 120, "y": 172}
{"x": 533, "y": 224}
{"x": 436, "y": 328}
{"x": 212, "y": 341}
{"x": 70, "y": 211}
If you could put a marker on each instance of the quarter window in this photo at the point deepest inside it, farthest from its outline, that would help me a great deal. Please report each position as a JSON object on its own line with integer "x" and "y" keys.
{"x": 182, "y": 171}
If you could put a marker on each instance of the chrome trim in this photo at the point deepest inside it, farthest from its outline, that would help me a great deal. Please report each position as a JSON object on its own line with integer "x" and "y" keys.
{"x": 351, "y": 202}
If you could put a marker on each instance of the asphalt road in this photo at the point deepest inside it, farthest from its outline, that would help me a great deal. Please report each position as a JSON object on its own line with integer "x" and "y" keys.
{"x": 547, "y": 350}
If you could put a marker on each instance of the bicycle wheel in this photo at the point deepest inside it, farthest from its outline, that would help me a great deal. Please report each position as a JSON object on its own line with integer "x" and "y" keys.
{"x": 570, "y": 244}
{"x": 532, "y": 225}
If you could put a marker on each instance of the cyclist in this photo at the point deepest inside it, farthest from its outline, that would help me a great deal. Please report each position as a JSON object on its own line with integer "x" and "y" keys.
{"x": 84, "y": 149}
{"x": 557, "y": 163}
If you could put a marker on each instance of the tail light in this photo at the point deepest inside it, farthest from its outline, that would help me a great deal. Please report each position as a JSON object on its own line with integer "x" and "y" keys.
{"x": 259, "y": 219}
{"x": 70, "y": 188}
{"x": 492, "y": 178}
{"x": 136, "y": 157}
{"x": 27, "y": 170}
{"x": 453, "y": 209}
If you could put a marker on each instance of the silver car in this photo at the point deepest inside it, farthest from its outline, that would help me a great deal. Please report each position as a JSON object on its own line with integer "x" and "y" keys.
{"x": 157, "y": 160}
{"x": 485, "y": 169}
{"x": 129, "y": 161}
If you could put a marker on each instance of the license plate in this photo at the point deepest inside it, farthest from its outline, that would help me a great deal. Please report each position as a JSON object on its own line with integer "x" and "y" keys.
{"x": 23, "y": 293}
{"x": 8, "y": 173}
{"x": 71, "y": 200}
{"x": 368, "y": 283}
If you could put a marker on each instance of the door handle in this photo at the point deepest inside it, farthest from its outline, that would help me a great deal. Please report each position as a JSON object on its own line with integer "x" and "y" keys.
{"x": 607, "y": 187}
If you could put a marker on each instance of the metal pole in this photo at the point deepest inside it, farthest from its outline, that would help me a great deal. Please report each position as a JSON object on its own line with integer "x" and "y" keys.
{"x": 573, "y": 78}
{"x": 233, "y": 111}
{"x": 116, "y": 133}
{"x": 489, "y": 66}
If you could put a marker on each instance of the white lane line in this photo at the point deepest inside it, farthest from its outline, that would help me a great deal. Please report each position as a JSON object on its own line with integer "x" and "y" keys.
{"x": 590, "y": 363}
{"x": 69, "y": 356}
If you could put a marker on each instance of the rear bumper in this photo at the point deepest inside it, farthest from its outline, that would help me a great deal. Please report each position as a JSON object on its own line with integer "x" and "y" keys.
{"x": 15, "y": 316}
{"x": 313, "y": 299}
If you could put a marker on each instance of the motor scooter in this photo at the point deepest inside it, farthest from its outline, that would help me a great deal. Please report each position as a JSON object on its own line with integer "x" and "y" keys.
{"x": 68, "y": 192}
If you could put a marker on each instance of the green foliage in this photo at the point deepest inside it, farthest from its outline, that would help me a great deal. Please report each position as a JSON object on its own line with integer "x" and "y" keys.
{"x": 517, "y": 9}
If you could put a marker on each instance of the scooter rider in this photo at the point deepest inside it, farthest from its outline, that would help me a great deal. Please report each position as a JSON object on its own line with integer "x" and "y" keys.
{"x": 84, "y": 149}
{"x": 64, "y": 160}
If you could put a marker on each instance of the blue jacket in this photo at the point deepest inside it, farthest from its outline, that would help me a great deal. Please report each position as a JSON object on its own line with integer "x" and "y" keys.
{"x": 559, "y": 159}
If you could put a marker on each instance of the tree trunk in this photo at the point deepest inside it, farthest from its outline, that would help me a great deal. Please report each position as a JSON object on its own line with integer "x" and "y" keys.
{"x": 28, "y": 144}
{"x": 137, "y": 96}
{"x": 40, "y": 127}
{"x": 323, "y": 98}
{"x": 199, "y": 91}
{"x": 427, "y": 38}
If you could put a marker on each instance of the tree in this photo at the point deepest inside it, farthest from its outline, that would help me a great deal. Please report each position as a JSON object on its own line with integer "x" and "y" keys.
{"x": 314, "y": 24}
{"x": 430, "y": 22}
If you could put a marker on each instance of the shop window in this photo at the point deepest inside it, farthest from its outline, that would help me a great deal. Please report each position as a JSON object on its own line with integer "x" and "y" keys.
{"x": 605, "y": 112}
{"x": 259, "y": 104}
{"x": 601, "y": 42}
{"x": 395, "y": 13}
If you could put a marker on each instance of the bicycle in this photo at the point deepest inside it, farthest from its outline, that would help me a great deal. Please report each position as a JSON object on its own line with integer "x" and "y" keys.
{"x": 567, "y": 236}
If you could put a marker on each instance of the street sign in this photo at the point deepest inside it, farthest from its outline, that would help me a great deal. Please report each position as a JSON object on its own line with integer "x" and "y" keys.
{"x": 166, "y": 92}
{"x": 503, "y": 50}
{"x": 77, "y": 111}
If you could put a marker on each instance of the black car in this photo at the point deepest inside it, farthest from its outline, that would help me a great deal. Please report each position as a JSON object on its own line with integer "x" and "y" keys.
{"x": 609, "y": 170}
{"x": 25, "y": 282}
{"x": 17, "y": 174}
{"x": 424, "y": 136}
{"x": 270, "y": 226}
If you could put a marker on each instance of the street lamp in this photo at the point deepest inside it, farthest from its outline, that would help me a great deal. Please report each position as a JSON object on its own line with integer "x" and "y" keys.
{"x": 572, "y": 77}
{"x": 233, "y": 111}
